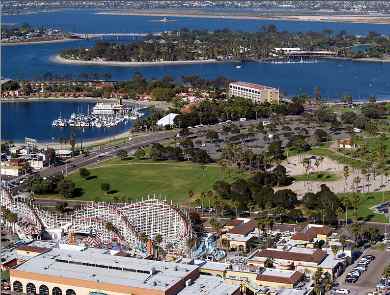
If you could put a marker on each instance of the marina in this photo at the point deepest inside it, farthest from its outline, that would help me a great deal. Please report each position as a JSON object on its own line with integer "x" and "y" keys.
{"x": 103, "y": 115}
{"x": 41, "y": 114}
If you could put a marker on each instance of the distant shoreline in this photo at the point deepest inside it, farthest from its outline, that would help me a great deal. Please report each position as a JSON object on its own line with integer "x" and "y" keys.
{"x": 251, "y": 16}
{"x": 38, "y": 42}
{"x": 157, "y": 104}
{"x": 58, "y": 59}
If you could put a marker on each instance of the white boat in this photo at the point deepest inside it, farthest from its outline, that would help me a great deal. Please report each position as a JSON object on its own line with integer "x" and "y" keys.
{"x": 238, "y": 67}
{"x": 107, "y": 108}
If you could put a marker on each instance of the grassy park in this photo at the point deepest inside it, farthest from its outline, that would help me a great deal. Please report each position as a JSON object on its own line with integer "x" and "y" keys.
{"x": 132, "y": 180}
{"x": 317, "y": 176}
{"x": 367, "y": 201}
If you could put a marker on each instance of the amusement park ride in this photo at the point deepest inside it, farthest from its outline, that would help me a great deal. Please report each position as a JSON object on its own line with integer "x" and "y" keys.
{"x": 132, "y": 225}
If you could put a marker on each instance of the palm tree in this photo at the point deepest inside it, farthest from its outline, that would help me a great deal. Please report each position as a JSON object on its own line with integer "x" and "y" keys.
{"x": 143, "y": 237}
{"x": 158, "y": 239}
{"x": 346, "y": 174}
{"x": 191, "y": 242}
{"x": 343, "y": 242}
{"x": 356, "y": 229}
{"x": 355, "y": 201}
{"x": 346, "y": 203}
{"x": 216, "y": 225}
{"x": 335, "y": 249}
{"x": 339, "y": 213}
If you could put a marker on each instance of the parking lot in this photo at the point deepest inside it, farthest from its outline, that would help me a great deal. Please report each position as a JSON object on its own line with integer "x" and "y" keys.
{"x": 368, "y": 280}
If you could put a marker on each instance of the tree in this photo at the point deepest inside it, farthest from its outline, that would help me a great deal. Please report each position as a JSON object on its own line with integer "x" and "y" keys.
{"x": 217, "y": 226}
{"x": 122, "y": 154}
{"x": 84, "y": 173}
{"x": 268, "y": 263}
{"x": 139, "y": 153}
{"x": 386, "y": 272}
{"x": 335, "y": 249}
{"x": 105, "y": 187}
{"x": 158, "y": 239}
{"x": 66, "y": 188}
{"x": 212, "y": 135}
{"x": 355, "y": 201}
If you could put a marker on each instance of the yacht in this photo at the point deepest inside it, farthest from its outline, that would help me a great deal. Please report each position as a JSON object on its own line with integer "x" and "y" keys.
{"x": 107, "y": 108}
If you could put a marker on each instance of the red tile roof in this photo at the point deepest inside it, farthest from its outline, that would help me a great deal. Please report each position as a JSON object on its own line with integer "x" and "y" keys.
{"x": 310, "y": 233}
{"x": 234, "y": 222}
{"x": 244, "y": 228}
{"x": 295, "y": 278}
{"x": 317, "y": 256}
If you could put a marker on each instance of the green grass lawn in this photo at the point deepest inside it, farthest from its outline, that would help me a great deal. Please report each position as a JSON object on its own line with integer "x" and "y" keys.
{"x": 132, "y": 180}
{"x": 369, "y": 200}
{"x": 317, "y": 176}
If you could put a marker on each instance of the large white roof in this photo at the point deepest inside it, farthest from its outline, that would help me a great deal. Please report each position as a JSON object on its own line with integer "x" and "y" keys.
{"x": 167, "y": 120}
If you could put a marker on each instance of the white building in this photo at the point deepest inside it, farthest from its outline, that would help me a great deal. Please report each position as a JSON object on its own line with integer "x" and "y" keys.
{"x": 168, "y": 120}
{"x": 256, "y": 92}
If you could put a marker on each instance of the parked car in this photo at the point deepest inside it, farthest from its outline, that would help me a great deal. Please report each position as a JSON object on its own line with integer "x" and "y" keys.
{"x": 341, "y": 291}
{"x": 351, "y": 279}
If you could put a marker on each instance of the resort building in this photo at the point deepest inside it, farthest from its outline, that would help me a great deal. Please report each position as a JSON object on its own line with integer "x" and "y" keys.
{"x": 95, "y": 271}
{"x": 257, "y": 93}
{"x": 239, "y": 232}
{"x": 298, "y": 259}
{"x": 312, "y": 233}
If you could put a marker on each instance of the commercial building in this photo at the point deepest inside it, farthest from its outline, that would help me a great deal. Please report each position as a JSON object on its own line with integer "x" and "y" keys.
{"x": 257, "y": 93}
{"x": 96, "y": 271}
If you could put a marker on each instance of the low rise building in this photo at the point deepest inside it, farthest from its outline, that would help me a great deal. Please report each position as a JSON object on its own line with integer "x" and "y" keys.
{"x": 255, "y": 92}
{"x": 277, "y": 278}
{"x": 93, "y": 271}
{"x": 312, "y": 233}
{"x": 239, "y": 232}
{"x": 298, "y": 259}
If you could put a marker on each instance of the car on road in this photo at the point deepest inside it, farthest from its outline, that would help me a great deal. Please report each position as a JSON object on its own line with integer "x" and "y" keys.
{"x": 341, "y": 291}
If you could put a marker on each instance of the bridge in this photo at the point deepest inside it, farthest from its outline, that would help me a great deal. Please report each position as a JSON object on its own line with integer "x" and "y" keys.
{"x": 113, "y": 36}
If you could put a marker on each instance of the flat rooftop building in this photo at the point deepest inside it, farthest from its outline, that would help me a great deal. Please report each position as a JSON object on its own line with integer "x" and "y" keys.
{"x": 83, "y": 272}
{"x": 255, "y": 92}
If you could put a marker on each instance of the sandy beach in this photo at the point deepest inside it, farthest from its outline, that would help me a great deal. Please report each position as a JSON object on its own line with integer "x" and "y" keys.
{"x": 38, "y": 42}
{"x": 374, "y": 19}
{"x": 58, "y": 59}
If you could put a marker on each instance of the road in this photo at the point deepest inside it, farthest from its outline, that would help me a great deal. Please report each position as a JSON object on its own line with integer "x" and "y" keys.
{"x": 369, "y": 278}
{"x": 107, "y": 153}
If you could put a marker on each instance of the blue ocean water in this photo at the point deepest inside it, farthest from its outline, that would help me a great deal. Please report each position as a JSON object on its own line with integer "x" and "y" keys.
{"x": 334, "y": 77}
{"x": 33, "y": 119}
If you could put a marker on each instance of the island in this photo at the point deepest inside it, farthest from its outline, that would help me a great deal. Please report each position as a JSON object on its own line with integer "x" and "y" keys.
{"x": 27, "y": 34}
{"x": 267, "y": 44}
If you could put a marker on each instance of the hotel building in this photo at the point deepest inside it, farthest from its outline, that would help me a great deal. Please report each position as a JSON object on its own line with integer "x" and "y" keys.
{"x": 257, "y": 93}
